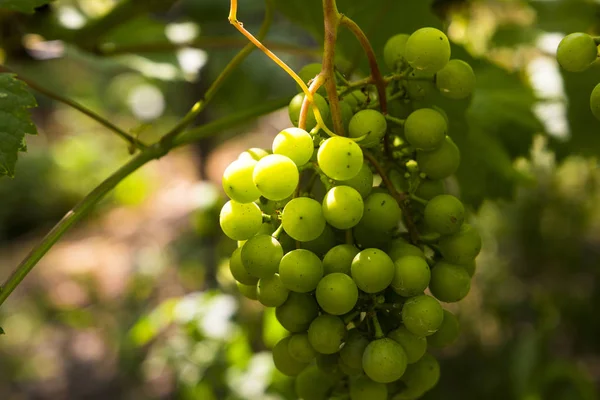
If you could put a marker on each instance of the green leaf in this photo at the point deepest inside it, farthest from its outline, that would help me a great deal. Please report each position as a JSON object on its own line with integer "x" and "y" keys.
{"x": 15, "y": 121}
{"x": 24, "y": 6}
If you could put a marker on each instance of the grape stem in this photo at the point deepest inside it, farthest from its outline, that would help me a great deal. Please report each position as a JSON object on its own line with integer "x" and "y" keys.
{"x": 418, "y": 199}
{"x": 401, "y": 198}
{"x": 378, "y": 331}
{"x": 307, "y": 102}
{"x": 350, "y": 317}
{"x": 278, "y": 231}
{"x": 394, "y": 120}
{"x": 389, "y": 306}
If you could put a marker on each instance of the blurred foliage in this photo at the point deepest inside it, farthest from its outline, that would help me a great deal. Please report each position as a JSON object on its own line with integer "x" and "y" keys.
{"x": 179, "y": 328}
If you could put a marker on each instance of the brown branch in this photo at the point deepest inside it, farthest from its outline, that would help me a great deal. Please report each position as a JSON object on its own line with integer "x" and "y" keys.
{"x": 332, "y": 22}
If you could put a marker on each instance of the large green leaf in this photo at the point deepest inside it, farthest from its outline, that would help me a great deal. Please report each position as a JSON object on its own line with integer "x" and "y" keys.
{"x": 24, "y": 6}
{"x": 15, "y": 120}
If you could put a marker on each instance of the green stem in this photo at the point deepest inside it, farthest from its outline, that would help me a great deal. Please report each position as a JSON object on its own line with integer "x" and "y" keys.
{"x": 55, "y": 96}
{"x": 418, "y": 199}
{"x": 394, "y": 120}
{"x": 378, "y": 331}
{"x": 350, "y": 317}
{"x": 358, "y": 84}
{"x": 278, "y": 231}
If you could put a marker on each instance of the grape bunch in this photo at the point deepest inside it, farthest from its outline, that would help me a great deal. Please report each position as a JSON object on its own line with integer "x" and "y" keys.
{"x": 353, "y": 239}
{"x": 576, "y": 53}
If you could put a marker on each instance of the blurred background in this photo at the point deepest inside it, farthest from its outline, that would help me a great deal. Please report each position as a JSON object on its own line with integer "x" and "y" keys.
{"x": 137, "y": 302}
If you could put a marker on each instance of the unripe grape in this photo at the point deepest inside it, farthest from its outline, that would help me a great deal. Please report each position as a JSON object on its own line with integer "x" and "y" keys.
{"x": 300, "y": 271}
{"x": 328, "y": 363}
{"x": 294, "y": 143}
{"x": 427, "y": 50}
{"x": 343, "y": 207}
{"x": 422, "y": 315}
{"x": 271, "y": 292}
{"x": 348, "y": 370}
{"x": 441, "y": 162}
{"x": 261, "y": 255}
{"x": 400, "y": 248}
{"x": 339, "y": 259}
{"x": 449, "y": 283}
{"x": 284, "y": 362}
{"x": 327, "y": 333}
{"x": 461, "y": 247}
{"x": 444, "y": 214}
{"x": 428, "y": 188}
{"x": 425, "y": 129}
{"x": 470, "y": 267}
{"x": 303, "y": 219}
{"x": 366, "y": 237}
{"x": 276, "y": 176}
{"x": 419, "y": 85}
{"x": 456, "y": 80}
{"x": 576, "y": 52}
{"x": 381, "y": 212}
{"x": 422, "y": 375}
{"x": 308, "y": 73}
{"x": 364, "y": 388}
{"x": 414, "y": 346}
{"x": 368, "y": 123}
{"x": 340, "y": 158}
{"x": 337, "y": 293}
{"x": 595, "y": 101}
{"x": 238, "y": 271}
{"x": 253, "y": 153}
{"x": 300, "y": 348}
{"x": 393, "y": 51}
{"x": 411, "y": 276}
{"x": 313, "y": 384}
{"x": 447, "y": 334}
{"x": 298, "y": 311}
{"x": 240, "y": 221}
{"x": 248, "y": 291}
{"x": 354, "y": 348}
{"x": 362, "y": 182}
{"x": 384, "y": 360}
{"x": 356, "y": 99}
{"x": 323, "y": 243}
{"x": 372, "y": 270}
{"x": 237, "y": 181}
{"x": 296, "y": 106}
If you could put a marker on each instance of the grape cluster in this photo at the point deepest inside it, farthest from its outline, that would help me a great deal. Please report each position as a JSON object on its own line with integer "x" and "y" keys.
{"x": 356, "y": 271}
{"x": 576, "y": 53}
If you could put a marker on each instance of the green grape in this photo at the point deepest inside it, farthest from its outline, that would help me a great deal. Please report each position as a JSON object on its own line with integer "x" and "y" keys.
{"x": 300, "y": 270}
{"x": 447, "y": 334}
{"x": 254, "y": 153}
{"x": 444, "y": 214}
{"x": 296, "y": 105}
{"x": 354, "y": 348}
{"x": 366, "y": 237}
{"x": 414, "y": 346}
{"x": 408, "y": 394}
{"x": 284, "y": 362}
{"x": 425, "y": 129}
{"x": 384, "y": 360}
{"x": 427, "y": 50}
{"x": 461, "y": 247}
{"x": 369, "y": 123}
{"x": 276, "y": 176}
{"x": 343, "y": 207}
{"x": 428, "y": 189}
{"x": 327, "y": 333}
{"x": 294, "y": 143}
{"x": 267, "y": 228}
{"x": 240, "y": 221}
{"x": 364, "y": 388}
{"x": 470, "y": 267}
{"x": 328, "y": 363}
{"x": 337, "y": 293}
{"x": 400, "y": 248}
{"x": 261, "y": 256}
{"x": 419, "y": 85}
{"x": 595, "y": 101}
{"x": 340, "y": 158}
{"x": 422, "y": 315}
{"x": 372, "y": 270}
{"x": 300, "y": 348}
{"x": 411, "y": 276}
{"x": 297, "y": 312}
{"x": 238, "y": 271}
{"x": 381, "y": 212}
{"x": 308, "y": 73}
{"x": 287, "y": 243}
{"x": 237, "y": 181}
{"x": 339, "y": 259}
{"x": 321, "y": 245}
{"x": 441, "y": 162}
{"x": 348, "y": 370}
{"x": 449, "y": 283}
{"x": 248, "y": 291}
{"x": 576, "y": 52}
{"x": 303, "y": 219}
{"x": 271, "y": 292}
{"x": 393, "y": 51}
{"x": 399, "y": 108}
{"x": 356, "y": 99}
{"x": 422, "y": 375}
{"x": 362, "y": 182}
{"x": 456, "y": 80}
{"x": 313, "y": 384}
